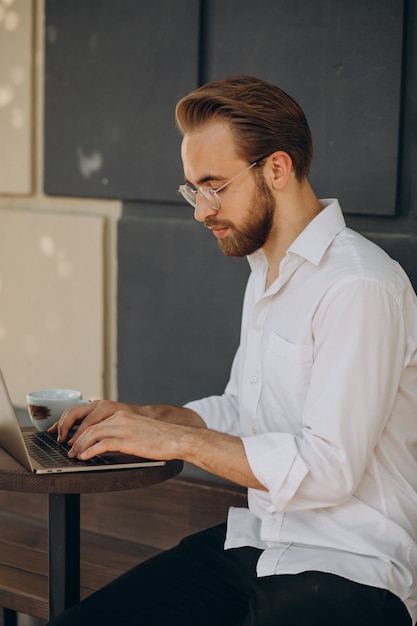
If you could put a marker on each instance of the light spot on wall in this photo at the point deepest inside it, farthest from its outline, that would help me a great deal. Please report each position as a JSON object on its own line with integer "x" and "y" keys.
{"x": 8, "y": 3}
{"x": 93, "y": 42}
{"x": 51, "y": 34}
{"x": 6, "y": 95}
{"x": 11, "y": 20}
{"x": 64, "y": 266}
{"x": 47, "y": 245}
{"x": 89, "y": 163}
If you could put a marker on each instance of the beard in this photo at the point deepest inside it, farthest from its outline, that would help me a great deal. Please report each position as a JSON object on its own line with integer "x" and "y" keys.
{"x": 253, "y": 233}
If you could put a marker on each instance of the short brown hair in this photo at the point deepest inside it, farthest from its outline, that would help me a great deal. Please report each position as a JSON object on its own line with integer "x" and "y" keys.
{"x": 262, "y": 118}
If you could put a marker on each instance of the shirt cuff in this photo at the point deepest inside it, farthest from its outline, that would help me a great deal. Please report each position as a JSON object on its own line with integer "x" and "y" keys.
{"x": 277, "y": 464}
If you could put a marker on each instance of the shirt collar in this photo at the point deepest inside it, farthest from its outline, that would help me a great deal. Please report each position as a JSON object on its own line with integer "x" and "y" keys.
{"x": 313, "y": 241}
{"x": 317, "y": 236}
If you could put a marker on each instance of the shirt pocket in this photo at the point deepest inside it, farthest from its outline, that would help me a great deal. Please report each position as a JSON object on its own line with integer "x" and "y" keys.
{"x": 287, "y": 374}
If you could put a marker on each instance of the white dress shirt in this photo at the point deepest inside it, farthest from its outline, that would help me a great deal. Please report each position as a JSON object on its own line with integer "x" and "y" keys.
{"x": 323, "y": 393}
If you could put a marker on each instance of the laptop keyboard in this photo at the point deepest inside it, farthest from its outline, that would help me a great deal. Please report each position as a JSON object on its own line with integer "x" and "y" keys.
{"x": 44, "y": 448}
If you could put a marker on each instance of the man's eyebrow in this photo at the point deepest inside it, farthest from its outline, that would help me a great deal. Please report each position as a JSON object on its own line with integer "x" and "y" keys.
{"x": 206, "y": 179}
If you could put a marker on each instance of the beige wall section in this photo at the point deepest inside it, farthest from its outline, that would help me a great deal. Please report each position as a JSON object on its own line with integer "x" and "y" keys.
{"x": 57, "y": 255}
{"x": 15, "y": 96}
{"x": 51, "y": 302}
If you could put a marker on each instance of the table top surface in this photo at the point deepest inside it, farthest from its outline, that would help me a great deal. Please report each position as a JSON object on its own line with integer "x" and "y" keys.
{"x": 15, "y": 477}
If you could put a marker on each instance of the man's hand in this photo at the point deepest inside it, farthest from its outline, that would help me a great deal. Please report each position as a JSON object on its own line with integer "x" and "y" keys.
{"x": 85, "y": 415}
{"x": 126, "y": 432}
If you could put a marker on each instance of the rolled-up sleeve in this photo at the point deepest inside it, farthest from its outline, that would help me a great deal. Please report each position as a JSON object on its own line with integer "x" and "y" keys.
{"x": 277, "y": 464}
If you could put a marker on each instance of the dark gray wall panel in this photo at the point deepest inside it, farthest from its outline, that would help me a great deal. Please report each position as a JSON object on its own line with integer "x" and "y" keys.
{"x": 179, "y": 306}
{"x": 402, "y": 247}
{"x": 342, "y": 61}
{"x": 408, "y": 162}
{"x": 114, "y": 70}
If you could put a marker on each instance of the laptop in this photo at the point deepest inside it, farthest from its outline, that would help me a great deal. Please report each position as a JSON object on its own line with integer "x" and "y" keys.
{"x": 40, "y": 453}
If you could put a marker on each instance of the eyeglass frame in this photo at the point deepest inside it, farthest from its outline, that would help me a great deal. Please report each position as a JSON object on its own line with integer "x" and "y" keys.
{"x": 187, "y": 188}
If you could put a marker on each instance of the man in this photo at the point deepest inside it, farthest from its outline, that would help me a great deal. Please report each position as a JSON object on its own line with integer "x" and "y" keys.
{"x": 318, "y": 419}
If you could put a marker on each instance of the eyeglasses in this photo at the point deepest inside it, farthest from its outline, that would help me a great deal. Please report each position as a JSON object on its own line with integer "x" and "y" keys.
{"x": 189, "y": 192}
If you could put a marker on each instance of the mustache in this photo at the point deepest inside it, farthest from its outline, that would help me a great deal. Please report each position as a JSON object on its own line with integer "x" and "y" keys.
{"x": 212, "y": 222}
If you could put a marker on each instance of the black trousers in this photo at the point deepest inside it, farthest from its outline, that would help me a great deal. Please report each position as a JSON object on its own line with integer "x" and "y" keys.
{"x": 197, "y": 583}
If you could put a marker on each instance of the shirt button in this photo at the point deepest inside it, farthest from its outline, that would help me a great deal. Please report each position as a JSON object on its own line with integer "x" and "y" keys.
{"x": 253, "y": 380}
{"x": 254, "y": 431}
{"x": 258, "y": 327}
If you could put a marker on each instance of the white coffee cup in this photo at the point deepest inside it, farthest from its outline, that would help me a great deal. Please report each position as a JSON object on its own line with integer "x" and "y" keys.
{"x": 46, "y": 406}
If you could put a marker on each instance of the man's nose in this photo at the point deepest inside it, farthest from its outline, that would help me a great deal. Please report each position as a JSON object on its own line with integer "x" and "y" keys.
{"x": 202, "y": 210}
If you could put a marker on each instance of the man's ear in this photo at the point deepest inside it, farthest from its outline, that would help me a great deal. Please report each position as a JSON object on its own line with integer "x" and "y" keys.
{"x": 280, "y": 169}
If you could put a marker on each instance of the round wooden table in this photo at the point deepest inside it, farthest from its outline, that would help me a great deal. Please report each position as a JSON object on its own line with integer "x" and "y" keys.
{"x": 64, "y": 513}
